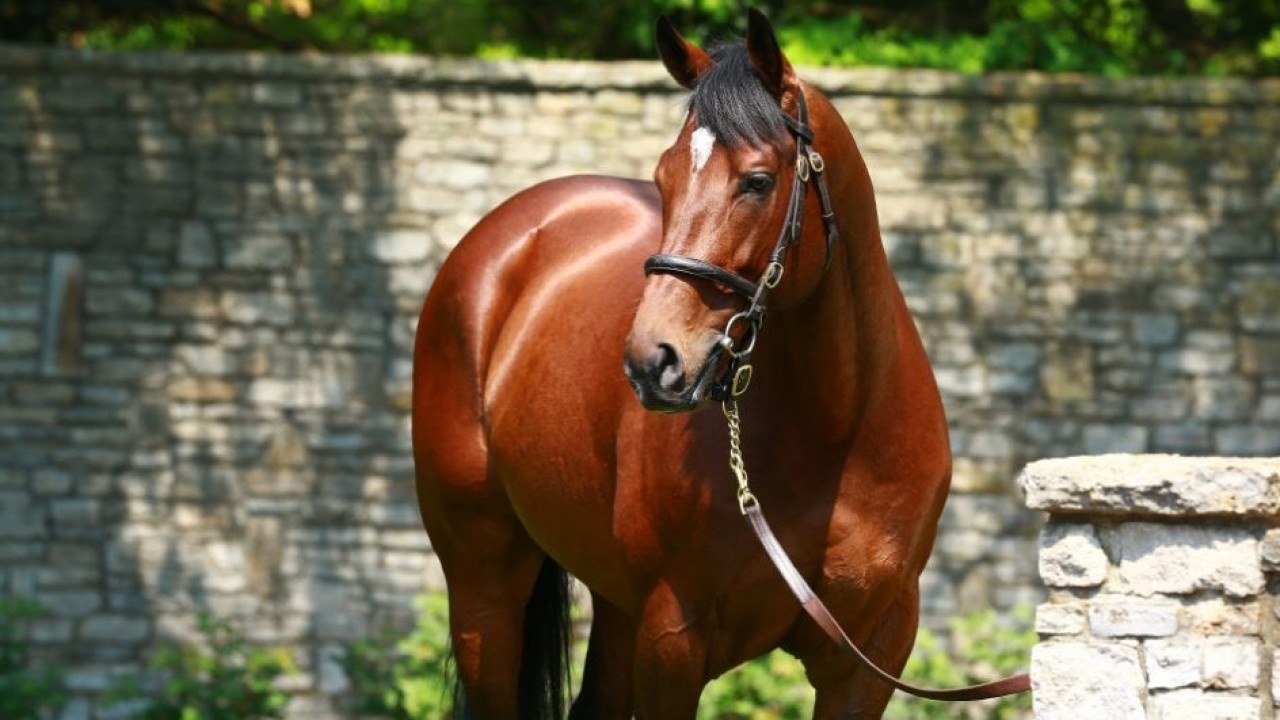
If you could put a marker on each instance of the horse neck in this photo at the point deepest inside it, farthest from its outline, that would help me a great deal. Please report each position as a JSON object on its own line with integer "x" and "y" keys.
{"x": 843, "y": 338}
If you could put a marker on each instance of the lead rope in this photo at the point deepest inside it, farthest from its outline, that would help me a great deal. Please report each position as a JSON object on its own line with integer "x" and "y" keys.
{"x": 749, "y": 506}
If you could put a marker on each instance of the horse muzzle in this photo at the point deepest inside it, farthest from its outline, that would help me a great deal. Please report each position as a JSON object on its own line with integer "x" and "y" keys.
{"x": 663, "y": 382}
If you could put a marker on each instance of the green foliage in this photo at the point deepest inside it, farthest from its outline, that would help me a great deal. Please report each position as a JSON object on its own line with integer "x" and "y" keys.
{"x": 984, "y": 647}
{"x": 226, "y": 681}
{"x": 1113, "y": 37}
{"x": 409, "y": 679}
{"x": 771, "y": 687}
{"x": 24, "y": 691}
{"x": 849, "y": 41}
{"x": 1104, "y": 37}
{"x": 1110, "y": 37}
{"x": 1131, "y": 37}
{"x": 1269, "y": 49}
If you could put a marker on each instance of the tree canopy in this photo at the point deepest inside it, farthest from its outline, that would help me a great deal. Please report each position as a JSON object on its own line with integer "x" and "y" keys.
{"x": 1112, "y": 37}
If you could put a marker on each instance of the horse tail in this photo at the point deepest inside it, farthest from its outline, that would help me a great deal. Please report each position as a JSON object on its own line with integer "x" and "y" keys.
{"x": 544, "y": 664}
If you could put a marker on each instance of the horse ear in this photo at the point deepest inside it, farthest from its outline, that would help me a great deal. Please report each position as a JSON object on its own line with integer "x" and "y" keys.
{"x": 685, "y": 61}
{"x": 766, "y": 55}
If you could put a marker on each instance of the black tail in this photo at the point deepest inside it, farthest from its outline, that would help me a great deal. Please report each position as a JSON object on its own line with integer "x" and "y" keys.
{"x": 544, "y": 664}
{"x": 544, "y": 661}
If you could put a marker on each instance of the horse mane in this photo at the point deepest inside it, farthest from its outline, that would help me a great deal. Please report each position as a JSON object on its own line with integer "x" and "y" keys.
{"x": 731, "y": 100}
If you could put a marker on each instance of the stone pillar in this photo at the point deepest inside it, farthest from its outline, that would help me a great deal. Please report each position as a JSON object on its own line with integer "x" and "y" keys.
{"x": 1161, "y": 573}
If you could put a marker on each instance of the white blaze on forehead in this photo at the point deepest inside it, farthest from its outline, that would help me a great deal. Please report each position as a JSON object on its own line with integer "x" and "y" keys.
{"x": 700, "y": 145}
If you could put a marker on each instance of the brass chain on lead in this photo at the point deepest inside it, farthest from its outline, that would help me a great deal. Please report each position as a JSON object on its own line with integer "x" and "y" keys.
{"x": 746, "y": 499}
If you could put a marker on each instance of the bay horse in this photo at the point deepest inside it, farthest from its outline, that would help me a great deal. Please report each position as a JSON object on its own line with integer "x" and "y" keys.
{"x": 564, "y": 359}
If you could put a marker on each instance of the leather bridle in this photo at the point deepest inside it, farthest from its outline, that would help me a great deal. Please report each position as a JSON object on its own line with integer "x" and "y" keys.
{"x": 733, "y": 383}
{"x": 809, "y": 166}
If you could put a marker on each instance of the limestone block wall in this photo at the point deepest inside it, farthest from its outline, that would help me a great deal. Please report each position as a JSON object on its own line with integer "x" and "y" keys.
{"x": 211, "y": 265}
{"x": 1162, "y": 573}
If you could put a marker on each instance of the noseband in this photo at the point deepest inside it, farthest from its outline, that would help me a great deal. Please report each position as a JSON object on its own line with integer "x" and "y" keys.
{"x": 809, "y": 166}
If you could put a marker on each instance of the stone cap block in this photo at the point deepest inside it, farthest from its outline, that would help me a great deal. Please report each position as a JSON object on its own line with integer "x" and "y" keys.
{"x": 1154, "y": 485}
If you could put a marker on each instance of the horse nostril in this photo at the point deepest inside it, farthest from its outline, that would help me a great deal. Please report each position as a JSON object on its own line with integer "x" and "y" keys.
{"x": 668, "y": 370}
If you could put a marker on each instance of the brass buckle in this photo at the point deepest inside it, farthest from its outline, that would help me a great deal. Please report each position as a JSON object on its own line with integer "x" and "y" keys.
{"x": 816, "y": 161}
{"x": 741, "y": 379}
{"x": 772, "y": 275}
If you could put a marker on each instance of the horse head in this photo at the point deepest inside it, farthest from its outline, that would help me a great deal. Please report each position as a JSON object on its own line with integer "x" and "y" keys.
{"x": 733, "y": 202}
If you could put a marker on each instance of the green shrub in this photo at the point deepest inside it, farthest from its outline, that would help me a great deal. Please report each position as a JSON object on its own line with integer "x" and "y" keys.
{"x": 406, "y": 679}
{"x": 847, "y": 41}
{"x": 771, "y": 687}
{"x": 24, "y": 691}
{"x": 1113, "y": 37}
{"x": 226, "y": 681}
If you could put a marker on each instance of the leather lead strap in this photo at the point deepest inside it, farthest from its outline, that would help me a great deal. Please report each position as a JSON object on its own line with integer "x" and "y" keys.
{"x": 822, "y": 616}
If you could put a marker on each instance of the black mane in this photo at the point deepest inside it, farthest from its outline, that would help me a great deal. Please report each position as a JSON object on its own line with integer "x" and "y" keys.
{"x": 731, "y": 101}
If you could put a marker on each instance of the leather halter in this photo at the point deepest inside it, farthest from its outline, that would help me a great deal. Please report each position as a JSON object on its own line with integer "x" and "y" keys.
{"x": 809, "y": 166}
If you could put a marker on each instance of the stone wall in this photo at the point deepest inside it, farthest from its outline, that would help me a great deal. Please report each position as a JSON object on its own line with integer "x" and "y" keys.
{"x": 1163, "y": 574}
{"x": 211, "y": 267}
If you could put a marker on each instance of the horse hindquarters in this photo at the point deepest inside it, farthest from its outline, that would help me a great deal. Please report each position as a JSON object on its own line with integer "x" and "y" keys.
{"x": 499, "y": 581}
{"x": 505, "y": 323}
{"x": 508, "y": 602}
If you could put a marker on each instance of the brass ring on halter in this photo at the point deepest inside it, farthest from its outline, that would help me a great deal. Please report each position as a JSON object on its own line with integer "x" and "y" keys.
{"x": 727, "y": 341}
{"x": 802, "y": 168}
{"x": 746, "y": 500}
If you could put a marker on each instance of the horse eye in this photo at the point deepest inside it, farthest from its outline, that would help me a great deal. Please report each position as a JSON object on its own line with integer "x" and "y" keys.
{"x": 758, "y": 184}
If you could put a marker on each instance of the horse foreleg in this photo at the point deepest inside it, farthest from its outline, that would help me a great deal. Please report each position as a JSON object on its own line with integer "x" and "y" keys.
{"x": 846, "y": 690}
{"x": 607, "y": 677}
{"x": 671, "y": 659}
